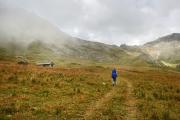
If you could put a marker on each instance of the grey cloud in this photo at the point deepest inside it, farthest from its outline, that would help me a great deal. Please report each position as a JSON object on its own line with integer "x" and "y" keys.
{"x": 108, "y": 21}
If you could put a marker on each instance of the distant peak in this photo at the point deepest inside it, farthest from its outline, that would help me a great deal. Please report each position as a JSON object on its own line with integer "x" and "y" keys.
{"x": 173, "y": 36}
{"x": 167, "y": 38}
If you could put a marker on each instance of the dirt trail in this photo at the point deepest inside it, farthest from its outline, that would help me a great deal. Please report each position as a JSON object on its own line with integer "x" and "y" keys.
{"x": 130, "y": 105}
{"x": 99, "y": 104}
{"x": 130, "y": 102}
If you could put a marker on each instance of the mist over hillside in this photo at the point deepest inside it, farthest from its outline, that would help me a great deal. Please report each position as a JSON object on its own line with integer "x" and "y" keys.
{"x": 19, "y": 25}
{"x": 25, "y": 34}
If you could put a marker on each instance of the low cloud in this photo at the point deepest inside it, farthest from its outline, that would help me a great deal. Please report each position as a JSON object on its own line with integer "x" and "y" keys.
{"x": 108, "y": 21}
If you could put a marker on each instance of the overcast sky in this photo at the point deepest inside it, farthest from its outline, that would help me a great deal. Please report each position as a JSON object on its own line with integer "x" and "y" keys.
{"x": 108, "y": 21}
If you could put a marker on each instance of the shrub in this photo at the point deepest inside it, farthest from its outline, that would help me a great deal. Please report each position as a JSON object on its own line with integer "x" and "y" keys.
{"x": 8, "y": 109}
{"x": 177, "y": 90}
{"x": 166, "y": 115}
{"x": 98, "y": 90}
{"x": 177, "y": 97}
{"x": 56, "y": 85}
{"x": 155, "y": 95}
{"x": 58, "y": 113}
{"x": 78, "y": 90}
{"x": 81, "y": 79}
{"x": 44, "y": 93}
{"x": 13, "y": 93}
{"x": 13, "y": 78}
{"x": 155, "y": 116}
{"x": 33, "y": 81}
{"x": 140, "y": 93}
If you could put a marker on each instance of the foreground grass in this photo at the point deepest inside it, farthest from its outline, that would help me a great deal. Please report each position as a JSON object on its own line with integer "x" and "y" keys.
{"x": 157, "y": 92}
{"x": 31, "y": 92}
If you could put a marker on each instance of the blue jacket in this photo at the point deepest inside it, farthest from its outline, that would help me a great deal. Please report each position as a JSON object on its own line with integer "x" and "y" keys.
{"x": 114, "y": 73}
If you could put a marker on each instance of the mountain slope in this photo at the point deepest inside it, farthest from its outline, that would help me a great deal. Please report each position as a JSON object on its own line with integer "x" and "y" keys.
{"x": 25, "y": 34}
{"x": 166, "y": 48}
{"x": 20, "y": 25}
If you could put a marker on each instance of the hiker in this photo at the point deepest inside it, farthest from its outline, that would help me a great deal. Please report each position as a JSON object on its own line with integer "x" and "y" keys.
{"x": 114, "y": 76}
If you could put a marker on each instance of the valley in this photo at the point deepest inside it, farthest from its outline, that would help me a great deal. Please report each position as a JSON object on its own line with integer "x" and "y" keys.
{"x": 47, "y": 74}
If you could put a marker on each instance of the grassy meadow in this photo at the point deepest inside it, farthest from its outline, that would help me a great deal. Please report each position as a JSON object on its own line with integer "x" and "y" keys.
{"x": 85, "y": 92}
{"x": 157, "y": 92}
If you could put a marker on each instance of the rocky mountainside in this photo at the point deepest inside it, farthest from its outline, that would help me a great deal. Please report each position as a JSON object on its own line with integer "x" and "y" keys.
{"x": 167, "y": 38}
{"x": 166, "y": 48}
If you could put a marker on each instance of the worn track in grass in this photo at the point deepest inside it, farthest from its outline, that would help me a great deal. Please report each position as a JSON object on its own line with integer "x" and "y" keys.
{"x": 130, "y": 104}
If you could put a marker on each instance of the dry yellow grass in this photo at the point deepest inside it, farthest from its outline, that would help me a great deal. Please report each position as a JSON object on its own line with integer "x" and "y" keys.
{"x": 157, "y": 92}
{"x": 85, "y": 92}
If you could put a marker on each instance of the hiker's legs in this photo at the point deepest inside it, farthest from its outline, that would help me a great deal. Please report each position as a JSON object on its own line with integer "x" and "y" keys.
{"x": 114, "y": 81}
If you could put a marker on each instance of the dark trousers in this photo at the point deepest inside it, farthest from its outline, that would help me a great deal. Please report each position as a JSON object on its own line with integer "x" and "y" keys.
{"x": 114, "y": 81}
